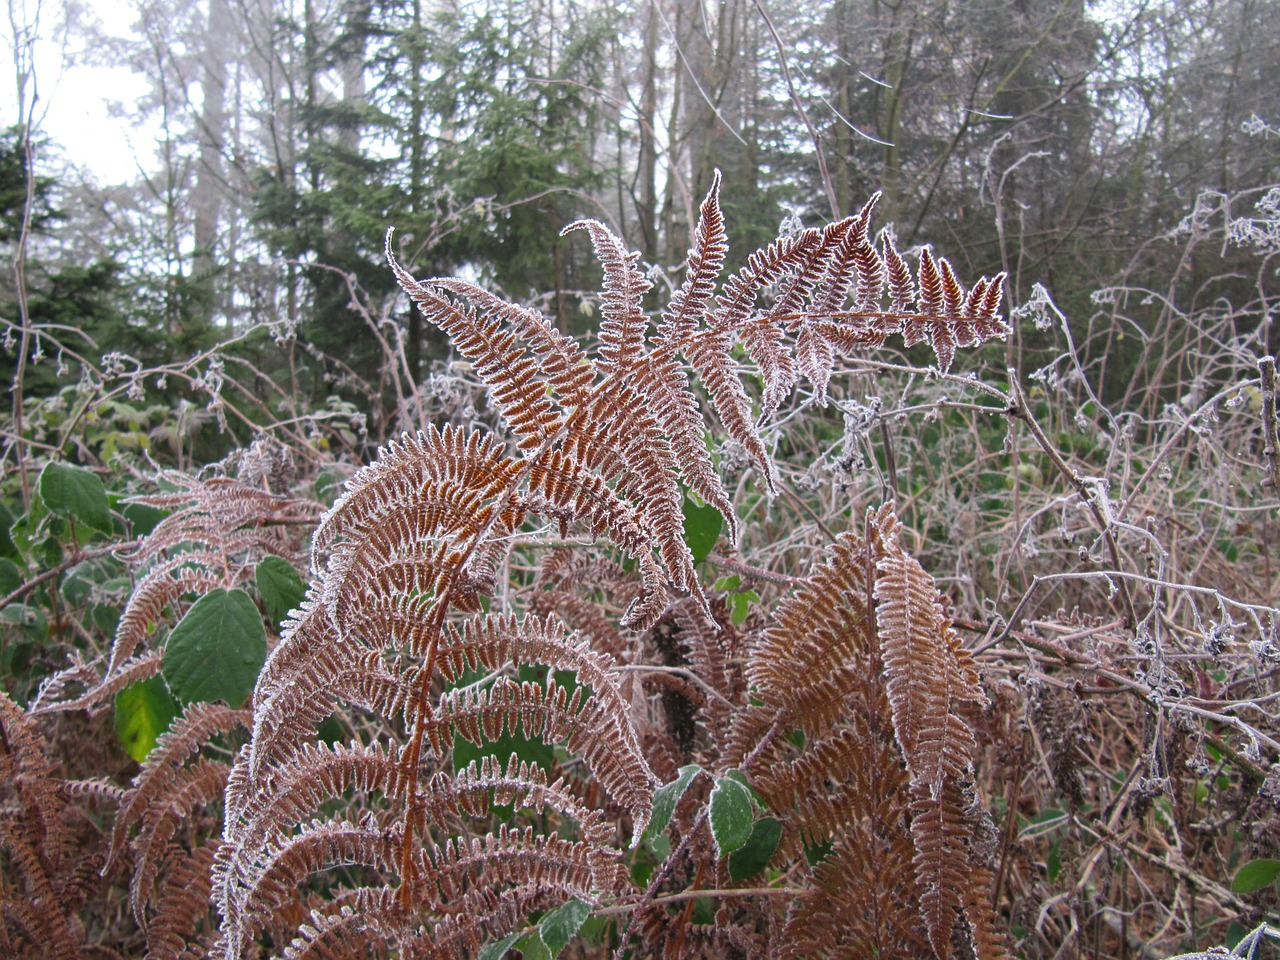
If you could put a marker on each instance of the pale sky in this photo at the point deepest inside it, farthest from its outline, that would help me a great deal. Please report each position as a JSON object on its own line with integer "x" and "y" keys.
{"x": 74, "y": 98}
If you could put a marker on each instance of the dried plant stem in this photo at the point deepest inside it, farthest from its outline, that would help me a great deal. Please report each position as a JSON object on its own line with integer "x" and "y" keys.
{"x": 1270, "y": 431}
{"x": 1019, "y": 410}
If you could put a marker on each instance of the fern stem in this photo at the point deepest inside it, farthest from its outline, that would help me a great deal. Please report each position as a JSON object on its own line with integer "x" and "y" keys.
{"x": 718, "y": 559}
{"x": 717, "y": 893}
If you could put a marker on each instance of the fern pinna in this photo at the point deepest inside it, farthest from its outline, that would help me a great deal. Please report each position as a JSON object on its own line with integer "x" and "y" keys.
{"x": 386, "y": 844}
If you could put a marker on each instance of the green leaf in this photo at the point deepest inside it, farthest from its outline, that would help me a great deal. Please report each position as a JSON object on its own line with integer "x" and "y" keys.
{"x": 702, "y": 526}
{"x": 741, "y": 606}
{"x": 7, "y": 548}
{"x": 498, "y": 949}
{"x": 754, "y": 855}
{"x": 730, "y": 815}
{"x": 562, "y": 924}
{"x": 740, "y": 777}
{"x": 665, "y": 799}
{"x": 1053, "y": 863}
{"x": 82, "y": 580}
{"x": 280, "y": 586}
{"x": 1255, "y": 875}
{"x": 31, "y": 619}
{"x": 75, "y": 492}
{"x": 11, "y": 577}
{"x": 142, "y": 517}
{"x": 328, "y": 486}
{"x": 143, "y": 712}
{"x": 532, "y": 947}
{"x": 217, "y": 649}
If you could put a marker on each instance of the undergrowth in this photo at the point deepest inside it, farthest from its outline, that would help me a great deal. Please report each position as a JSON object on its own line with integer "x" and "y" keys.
{"x": 805, "y": 618}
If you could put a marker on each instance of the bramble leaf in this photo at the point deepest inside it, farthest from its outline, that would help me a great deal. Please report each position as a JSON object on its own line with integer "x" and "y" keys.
{"x": 217, "y": 649}
{"x": 666, "y": 797}
{"x": 75, "y": 492}
{"x": 731, "y": 821}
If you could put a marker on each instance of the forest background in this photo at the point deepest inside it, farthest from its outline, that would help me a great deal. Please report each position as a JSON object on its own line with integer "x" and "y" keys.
{"x": 1117, "y": 162}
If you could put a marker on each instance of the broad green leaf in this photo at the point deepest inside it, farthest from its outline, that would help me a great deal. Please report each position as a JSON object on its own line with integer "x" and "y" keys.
{"x": 328, "y": 486}
{"x": 562, "y": 924}
{"x": 1255, "y": 875}
{"x": 754, "y": 855}
{"x": 498, "y": 948}
{"x": 1053, "y": 862}
{"x": 217, "y": 649}
{"x": 31, "y": 619}
{"x": 143, "y": 712}
{"x": 741, "y": 606}
{"x": 665, "y": 799}
{"x": 532, "y": 947}
{"x": 741, "y": 778}
{"x": 702, "y": 526}
{"x": 7, "y": 548}
{"x": 730, "y": 815}
{"x": 78, "y": 585}
{"x": 11, "y": 577}
{"x": 280, "y": 586}
{"x": 142, "y": 517}
{"x": 75, "y": 492}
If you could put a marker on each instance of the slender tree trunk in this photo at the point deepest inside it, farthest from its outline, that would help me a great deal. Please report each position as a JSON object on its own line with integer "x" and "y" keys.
{"x": 206, "y": 199}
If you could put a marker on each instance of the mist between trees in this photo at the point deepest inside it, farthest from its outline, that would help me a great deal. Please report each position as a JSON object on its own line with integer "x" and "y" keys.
{"x": 1058, "y": 141}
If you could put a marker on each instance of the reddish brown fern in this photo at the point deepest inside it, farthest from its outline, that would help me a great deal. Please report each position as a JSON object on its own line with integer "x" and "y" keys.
{"x": 396, "y": 627}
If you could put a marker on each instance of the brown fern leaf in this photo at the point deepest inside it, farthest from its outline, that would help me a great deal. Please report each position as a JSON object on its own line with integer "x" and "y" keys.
{"x": 928, "y": 676}
{"x": 902, "y": 287}
{"x": 664, "y": 380}
{"x": 298, "y": 687}
{"x": 570, "y": 485}
{"x": 588, "y": 726}
{"x": 836, "y": 782}
{"x": 406, "y": 470}
{"x": 227, "y": 514}
{"x": 495, "y": 642}
{"x": 195, "y": 786}
{"x": 568, "y": 371}
{"x": 703, "y": 266}
{"x": 793, "y": 258}
{"x": 522, "y": 857}
{"x": 946, "y": 317}
{"x": 508, "y": 368}
{"x": 854, "y": 262}
{"x": 812, "y": 656}
{"x": 857, "y": 906}
{"x": 185, "y": 738}
{"x": 930, "y": 683}
{"x": 479, "y": 786}
{"x": 812, "y": 285}
{"x": 987, "y": 941}
{"x": 196, "y": 572}
{"x": 341, "y": 934}
{"x": 624, "y": 323}
{"x": 262, "y": 821}
{"x": 182, "y": 905}
{"x": 707, "y": 645}
{"x": 292, "y": 859}
{"x": 480, "y": 916}
{"x": 627, "y": 450}
{"x": 130, "y": 672}
{"x": 37, "y": 846}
